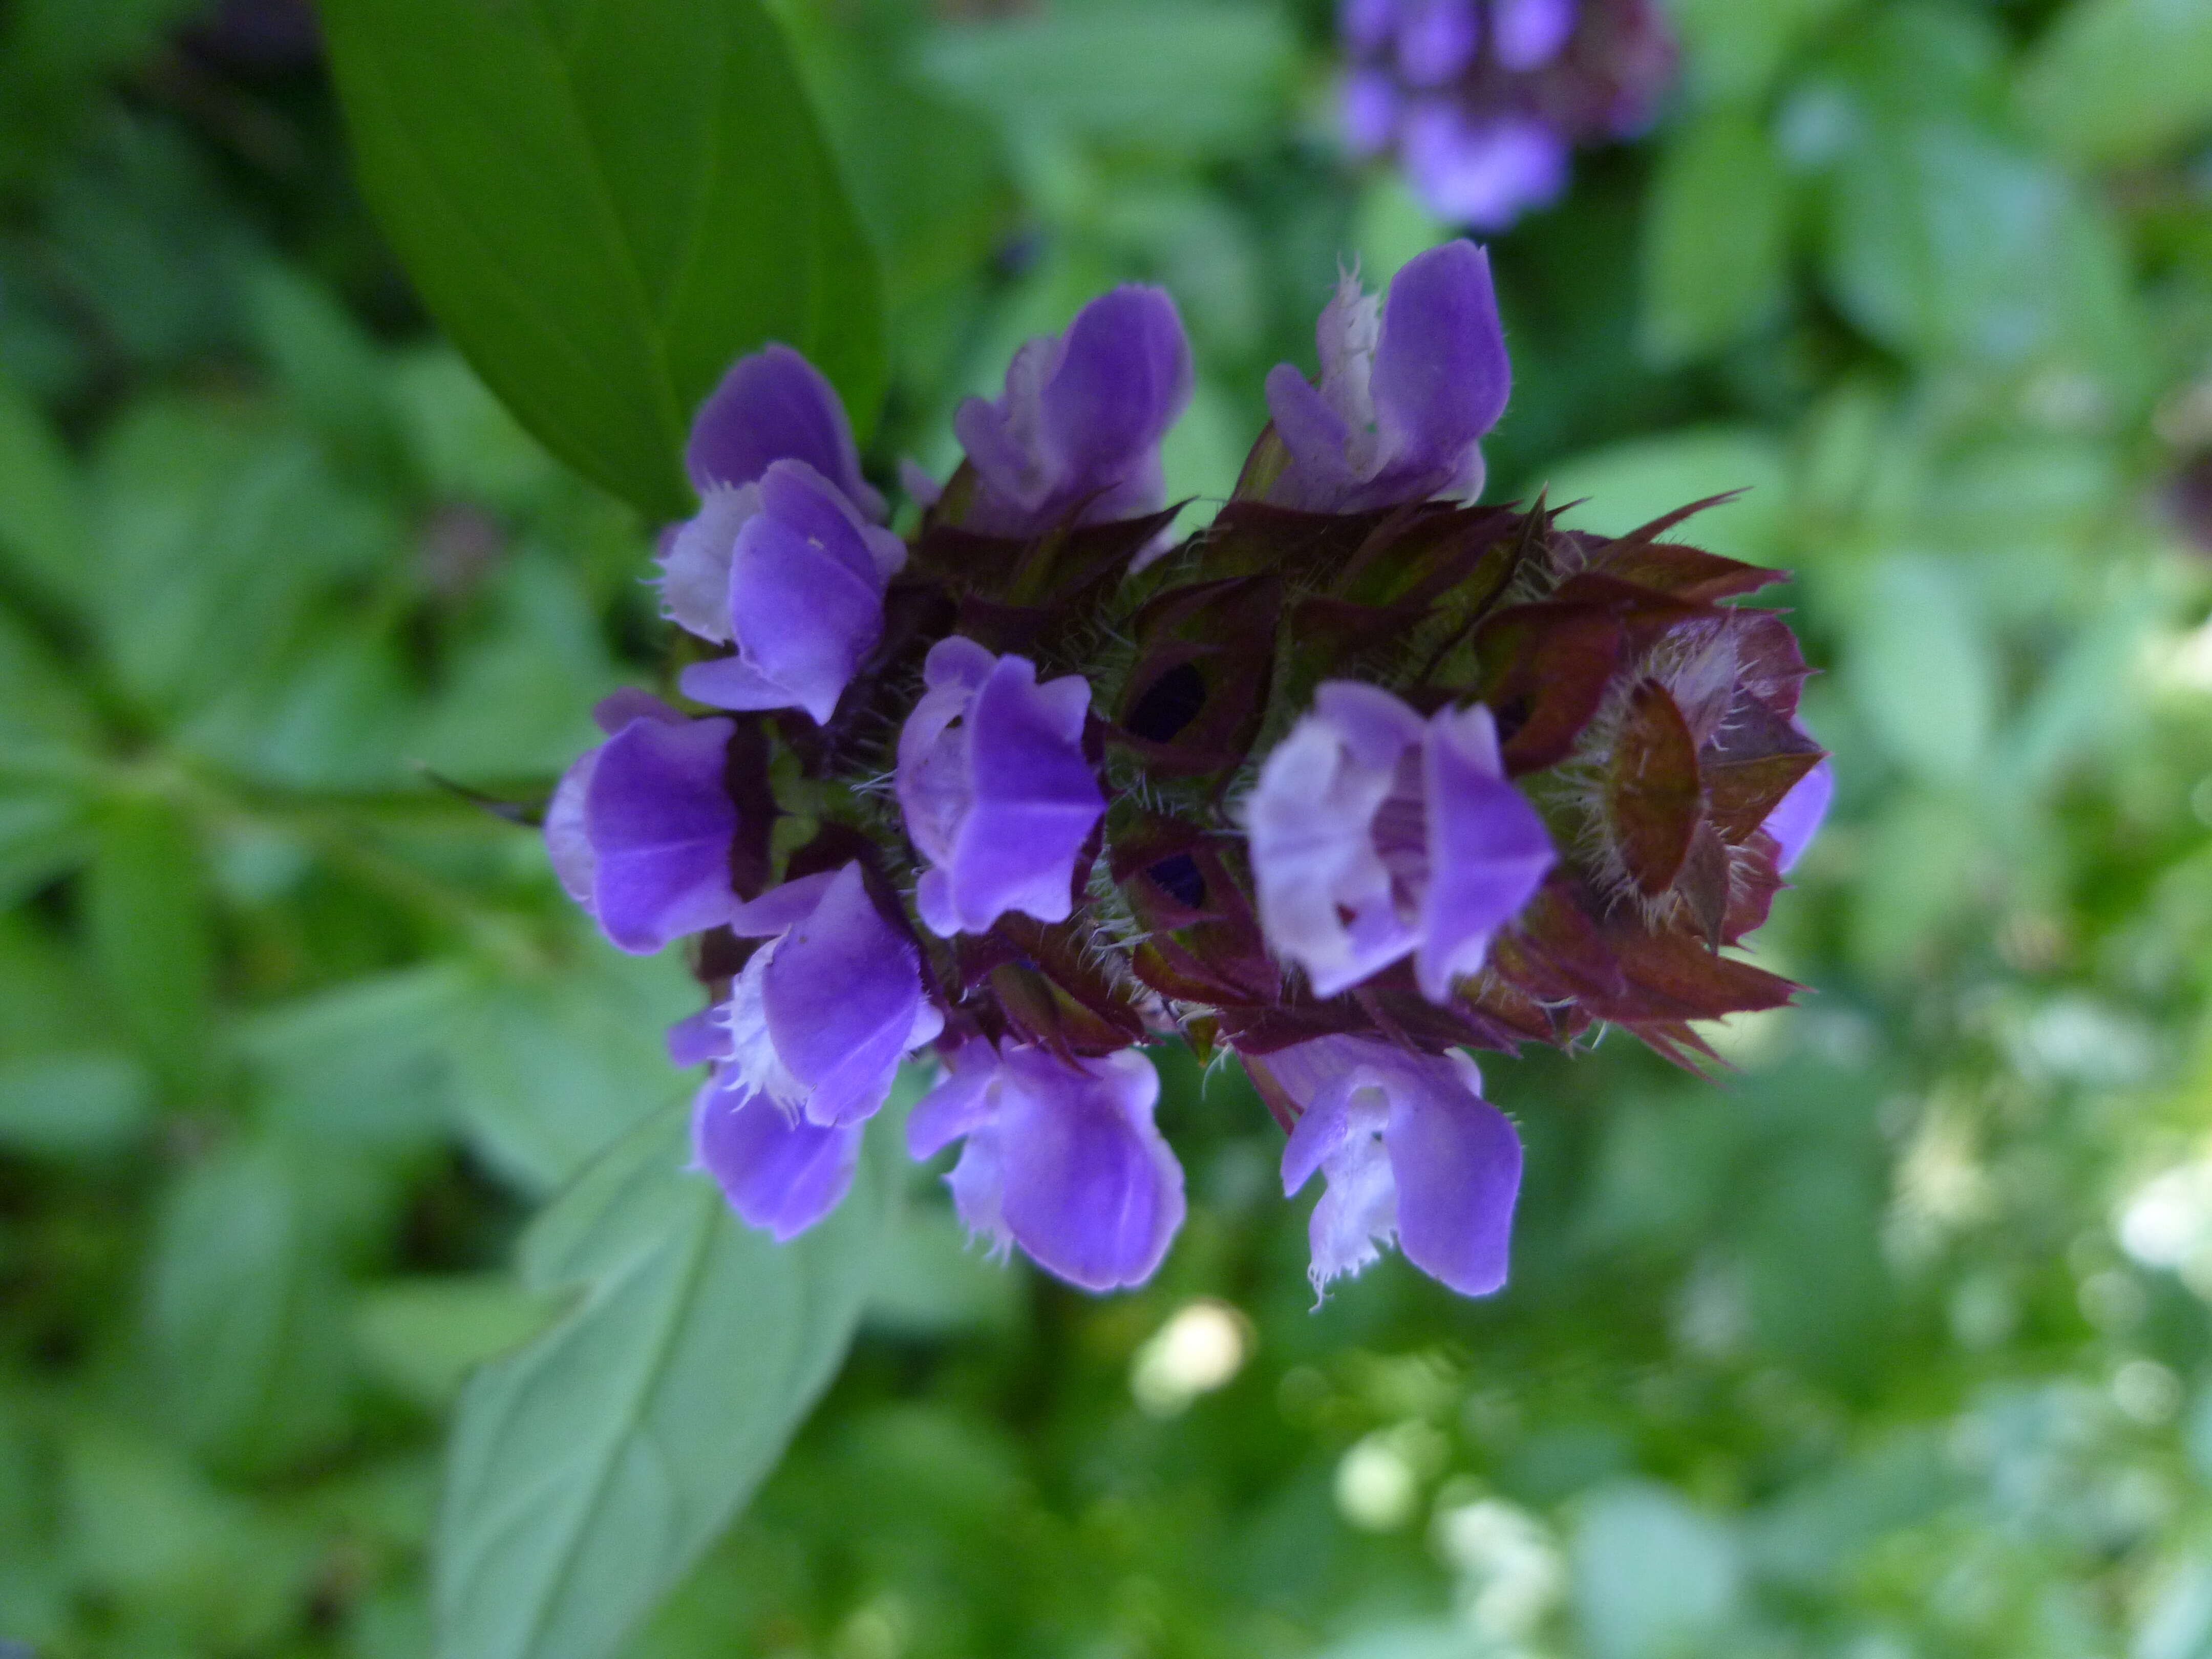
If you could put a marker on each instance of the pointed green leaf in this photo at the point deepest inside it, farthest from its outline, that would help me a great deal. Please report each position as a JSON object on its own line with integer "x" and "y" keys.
{"x": 603, "y": 204}
{"x": 588, "y": 1471}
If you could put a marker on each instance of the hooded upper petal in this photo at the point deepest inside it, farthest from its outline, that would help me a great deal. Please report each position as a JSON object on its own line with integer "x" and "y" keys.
{"x": 779, "y": 1173}
{"x": 805, "y": 598}
{"x": 995, "y": 788}
{"x": 1077, "y": 431}
{"x": 773, "y": 405}
{"x": 659, "y": 822}
{"x": 1404, "y": 396}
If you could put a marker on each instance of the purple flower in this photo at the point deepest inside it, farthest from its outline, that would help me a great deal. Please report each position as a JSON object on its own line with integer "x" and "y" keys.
{"x": 1375, "y": 835}
{"x": 1483, "y": 171}
{"x": 1797, "y": 816}
{"x": 1411, "y": 1151}
{"x": 640, "y": 829}
{"x": 1369, "y": 101}
{"x": 780, "y": 1173}
{"x": 775, "y": 406}
{"x": 1407, "y": 388}
{"x": 1530, "y": 33}
{"x": 1076, "y": 434}
{"x": 1486, "y": 99}
{"x": 995, "y": 787}
{"x": 1061, "y": 1158}
{"x": 820, "y": 1015}
{"x": 803, "y": 580}
{"x": 1437, "y": 40}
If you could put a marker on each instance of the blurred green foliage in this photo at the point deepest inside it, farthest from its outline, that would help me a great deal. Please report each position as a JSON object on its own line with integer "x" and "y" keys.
{"x": 1893, "y": 1344}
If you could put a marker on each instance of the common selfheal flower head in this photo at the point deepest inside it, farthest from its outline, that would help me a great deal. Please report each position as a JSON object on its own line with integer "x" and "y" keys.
{"x": 1485, "y": 99}
{"x": 641, "y": 829}
{"x": 1076, "y": 434}
{"x": 803, "y": 600}
{"x": 1375, "y": 835}
{"x": 1386, "y": 897}
{"x": 1061, "y": 1158}
{"x": 1411, "y": 1153}
{"x": 820, "y": 1015}
{"x": 995, "y": 788}
{"x": 1407, "y": 389}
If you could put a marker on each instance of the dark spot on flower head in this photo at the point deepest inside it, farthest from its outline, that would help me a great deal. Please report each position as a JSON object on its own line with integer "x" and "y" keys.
{"x": 1169, "y": 703}
{"x": 1181, "y": 879}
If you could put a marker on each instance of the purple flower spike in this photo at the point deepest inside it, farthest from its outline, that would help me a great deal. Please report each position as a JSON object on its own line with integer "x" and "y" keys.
{"x": 805, "y": 596}
{"x": 640, "y": 829}
{"x": 995, "y": 787}
{"x": 1061, "y": 1158}
{"x": 1482, "y": 171}
{"x": 1796, "y": 818}
{"x": 1077, "y": 432}
{"x": 780, "y": 1174}
{"x": 1375, "y": 835}
{"x": 1407, "y": 390}
{"x": 775, "y": 406}
{"x": 1412, "y": 1153}
{"x": 820, "y": 1017}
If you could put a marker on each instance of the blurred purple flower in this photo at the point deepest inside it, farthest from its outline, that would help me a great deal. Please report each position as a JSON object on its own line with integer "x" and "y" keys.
{"x": 995, "y": 787}
{"x": 1061, "y": 1158}
{"x": 780, "y": 1173}
{"x": 1076, "y": 434}
{"x": 1375, "y": 835}
{"x": 820, "y": 1015}
{"x": 1486, "y": 99}
{"x": 803, "y": 595}
{"x": 1408, "y": 386}
{"x": 1411, "y": 1151}
{"x": 640, "y": 829}
{"x": 1482, "y": 171}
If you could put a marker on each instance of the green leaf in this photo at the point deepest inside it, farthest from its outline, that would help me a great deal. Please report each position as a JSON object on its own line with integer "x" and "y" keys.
{"x": 423, "y": 1336}
{"x": 365, "y": 1064}
{"x": 72, "y": 1105}
{"x": 146, "y": 908}
{"x": 246, "y": 1310}
{"x": 2118, "y": 81}
{"x": 587, "y": 1472}
{"x": 551, "y": 1070}
{"x": 603, "y": 202}
{"x": 1176, "y": 79}
{"x": 1948, "y": 244}
{"x": 1922, "y": 668}
{"x": 1714, "y": 238}
{"x": 42, "y": 530}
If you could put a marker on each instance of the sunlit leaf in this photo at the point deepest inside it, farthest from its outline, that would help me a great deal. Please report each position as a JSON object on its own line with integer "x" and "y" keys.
{"x": 588, "y": 1471}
